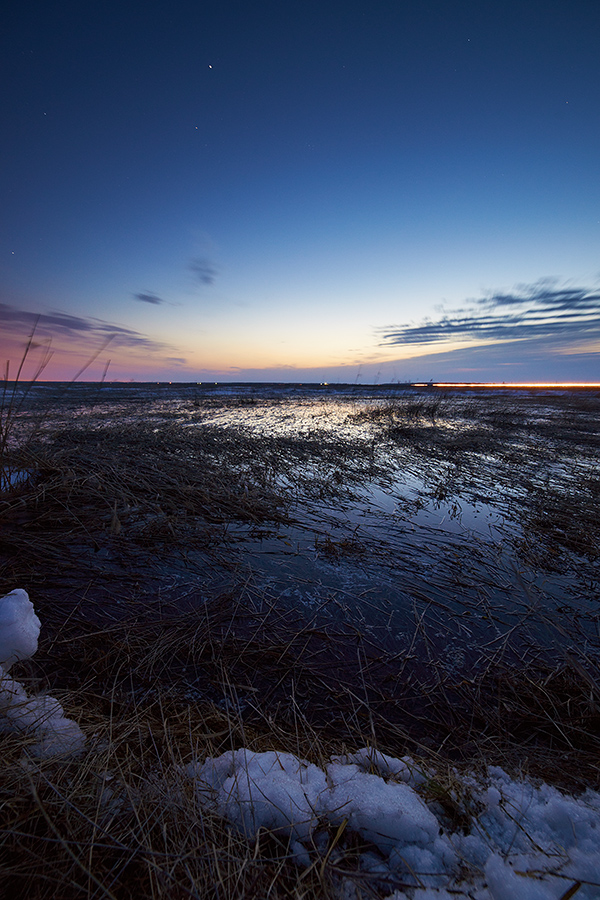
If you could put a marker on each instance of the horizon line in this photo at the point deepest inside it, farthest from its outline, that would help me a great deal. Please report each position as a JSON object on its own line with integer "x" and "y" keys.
{"x": 396, "y": 383}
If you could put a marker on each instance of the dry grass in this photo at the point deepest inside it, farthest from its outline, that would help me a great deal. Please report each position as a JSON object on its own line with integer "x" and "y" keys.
{"x": 162, "y": 688}
{"x": 157, "y": 677}
{"x": 119, "y": 496}
{"x": 122, "y": 821}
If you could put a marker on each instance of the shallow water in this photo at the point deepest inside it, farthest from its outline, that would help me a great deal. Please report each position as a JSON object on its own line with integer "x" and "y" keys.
{"x": 395, "y": 555}
{"x": 422, "y": 536}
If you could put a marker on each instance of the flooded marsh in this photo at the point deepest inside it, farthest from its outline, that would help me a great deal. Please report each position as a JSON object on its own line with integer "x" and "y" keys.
{"x": 421, "y": 565}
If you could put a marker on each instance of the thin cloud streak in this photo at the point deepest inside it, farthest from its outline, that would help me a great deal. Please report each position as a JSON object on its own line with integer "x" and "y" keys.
{"x": 148, "y": 298}
{"x": 204, "y": 270}
{"x": 20, "y": 321}
{"x": 559, "y": 316}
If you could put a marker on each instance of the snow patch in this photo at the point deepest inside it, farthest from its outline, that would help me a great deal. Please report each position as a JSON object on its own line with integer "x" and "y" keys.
{"x": 275, "y": 791}
{"x": 43, "y": 716}
{"x": 19, "y": 628}
{"x": 525, "y": 842}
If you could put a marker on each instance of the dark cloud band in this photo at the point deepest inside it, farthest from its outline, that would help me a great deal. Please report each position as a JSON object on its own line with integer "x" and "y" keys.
{"x": 148, "y": 298}
{"x": 20, "y": 321}
{"x": 531, "y": 312}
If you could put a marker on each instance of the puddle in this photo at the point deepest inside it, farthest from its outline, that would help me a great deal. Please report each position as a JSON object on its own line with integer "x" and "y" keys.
{"x": 13, "y": 478}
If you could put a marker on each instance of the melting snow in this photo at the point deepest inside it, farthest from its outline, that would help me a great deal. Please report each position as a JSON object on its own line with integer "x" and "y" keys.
{"x": 524, "y": 842}
{"x": 43, "y": 716}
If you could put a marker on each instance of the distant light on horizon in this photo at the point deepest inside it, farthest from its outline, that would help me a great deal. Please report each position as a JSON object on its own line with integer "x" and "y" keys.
{"x": 510, "y": 384}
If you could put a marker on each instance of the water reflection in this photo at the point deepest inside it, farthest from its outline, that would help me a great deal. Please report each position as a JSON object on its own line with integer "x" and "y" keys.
{"x": 413, "y": 519}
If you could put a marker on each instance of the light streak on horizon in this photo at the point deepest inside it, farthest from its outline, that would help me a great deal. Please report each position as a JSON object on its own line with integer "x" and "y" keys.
{"x": 510, "y": 384}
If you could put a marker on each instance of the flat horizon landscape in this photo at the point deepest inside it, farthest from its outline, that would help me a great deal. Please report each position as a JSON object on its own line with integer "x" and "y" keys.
{"x": 300, "y": 450}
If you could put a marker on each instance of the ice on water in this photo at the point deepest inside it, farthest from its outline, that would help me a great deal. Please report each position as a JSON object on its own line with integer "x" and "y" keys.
{"x": 40, "y": 716}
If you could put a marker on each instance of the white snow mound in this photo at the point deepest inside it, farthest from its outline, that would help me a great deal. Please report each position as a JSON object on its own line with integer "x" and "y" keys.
{"x": 19, "y": 628}
{"x": 42, "y": 716}
{"x": 292, "y": 797}
{"x": 276, "y": 791}
{"x": 524, "y": 842}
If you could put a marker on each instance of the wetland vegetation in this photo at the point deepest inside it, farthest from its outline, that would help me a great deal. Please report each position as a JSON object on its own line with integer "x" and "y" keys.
{"x": 302, "y": 569}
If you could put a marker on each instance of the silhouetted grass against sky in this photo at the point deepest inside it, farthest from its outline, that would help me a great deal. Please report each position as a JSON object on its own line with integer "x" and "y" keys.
{"x": 303, "y": 191}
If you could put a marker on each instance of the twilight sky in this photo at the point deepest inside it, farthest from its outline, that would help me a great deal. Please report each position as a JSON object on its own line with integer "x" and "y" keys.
{"x": 302, "y": 191}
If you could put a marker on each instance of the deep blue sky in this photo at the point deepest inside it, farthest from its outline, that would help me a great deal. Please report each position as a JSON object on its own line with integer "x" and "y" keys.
{"x": 303, "y": 190}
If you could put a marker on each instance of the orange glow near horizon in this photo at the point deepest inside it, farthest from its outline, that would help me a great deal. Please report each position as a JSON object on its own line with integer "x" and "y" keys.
{"x": 510, "y": 384}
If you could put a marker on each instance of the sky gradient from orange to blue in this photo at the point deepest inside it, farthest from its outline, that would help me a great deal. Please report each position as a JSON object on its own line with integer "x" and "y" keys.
{"x": 308, "y": 191}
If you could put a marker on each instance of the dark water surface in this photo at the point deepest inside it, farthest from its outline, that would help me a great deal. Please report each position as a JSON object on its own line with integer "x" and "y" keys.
{"x": 456, "y": 525}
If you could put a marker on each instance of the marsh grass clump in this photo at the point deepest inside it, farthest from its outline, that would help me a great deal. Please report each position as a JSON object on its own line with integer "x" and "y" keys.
{"x": 13, "y": 395}
{"x": 123, "y": 820}
{"x": 124, "y": 823}
{"x": 127, "y": 490}
{"x": 405, "y": 412}
{"x": 21, "y": 419}
{"x": 350, "y": 546}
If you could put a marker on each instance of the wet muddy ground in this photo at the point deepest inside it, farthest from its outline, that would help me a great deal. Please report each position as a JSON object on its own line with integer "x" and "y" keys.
{"x": 387, "y": 557}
